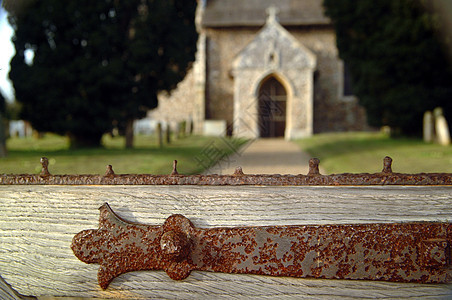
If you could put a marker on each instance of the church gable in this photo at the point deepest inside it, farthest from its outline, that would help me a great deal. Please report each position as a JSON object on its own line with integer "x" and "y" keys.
{"x": 274, "y": 58}
{"x": 275, "y": 48}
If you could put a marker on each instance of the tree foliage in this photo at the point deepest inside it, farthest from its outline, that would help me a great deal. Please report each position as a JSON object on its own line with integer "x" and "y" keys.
{"x": 3, "y": 151}
{"x": 399, "y": 69}
{"x": 97, "y": 64}
{"x": 2, "y": 103}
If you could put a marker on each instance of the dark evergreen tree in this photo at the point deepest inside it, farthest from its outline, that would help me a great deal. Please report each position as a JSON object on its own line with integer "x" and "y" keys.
{"x": 398, "y": 66}
{"x": 97, "y": 63}
{"x": 3, "y": 151}
{"x": 2, "y": 103}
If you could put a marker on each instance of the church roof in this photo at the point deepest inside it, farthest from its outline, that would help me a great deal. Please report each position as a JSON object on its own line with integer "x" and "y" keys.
{"x": 230, "y": 13}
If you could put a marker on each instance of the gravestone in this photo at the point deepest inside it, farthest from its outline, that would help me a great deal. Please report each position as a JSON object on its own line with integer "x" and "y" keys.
{"x": 428, "y": 127}
{"x": 215, "y": 128}
{"x": 441, "y": 127}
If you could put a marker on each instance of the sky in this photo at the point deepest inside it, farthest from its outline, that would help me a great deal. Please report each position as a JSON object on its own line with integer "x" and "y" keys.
{"x": 6, "y": 53}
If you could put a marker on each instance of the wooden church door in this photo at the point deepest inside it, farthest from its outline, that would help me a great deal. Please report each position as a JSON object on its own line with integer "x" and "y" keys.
{"x": 272, "y": 108}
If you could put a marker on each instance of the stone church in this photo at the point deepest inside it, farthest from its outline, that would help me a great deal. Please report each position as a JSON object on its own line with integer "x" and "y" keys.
{"x": 264, "y": 68}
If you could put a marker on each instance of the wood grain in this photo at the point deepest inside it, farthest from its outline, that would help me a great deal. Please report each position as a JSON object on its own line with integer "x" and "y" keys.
{"x": 37, "y": 224}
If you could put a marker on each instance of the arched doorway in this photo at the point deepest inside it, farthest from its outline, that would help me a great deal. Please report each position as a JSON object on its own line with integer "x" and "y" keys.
{"x": 272, "y": 108}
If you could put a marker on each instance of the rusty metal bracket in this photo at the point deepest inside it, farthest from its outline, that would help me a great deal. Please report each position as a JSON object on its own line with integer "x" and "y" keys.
{"x": 401, "y": 252}
{"x": 385, "y": 177}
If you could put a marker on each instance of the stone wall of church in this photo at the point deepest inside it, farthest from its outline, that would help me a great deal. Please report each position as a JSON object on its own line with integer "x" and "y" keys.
{"x": 186, "y": 102}
{"x": 332, "y": 112}
{"x": 222, "y": 46}
{"x": 179, "y": 105}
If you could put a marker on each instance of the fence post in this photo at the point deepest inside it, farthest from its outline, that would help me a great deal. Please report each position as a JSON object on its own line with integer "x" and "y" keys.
{"x": 160, "y": 134}
{"x": 168, "y": 134}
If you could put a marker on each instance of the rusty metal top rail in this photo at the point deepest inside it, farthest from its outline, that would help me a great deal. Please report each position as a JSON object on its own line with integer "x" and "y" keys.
{"x": 313, "y": 178}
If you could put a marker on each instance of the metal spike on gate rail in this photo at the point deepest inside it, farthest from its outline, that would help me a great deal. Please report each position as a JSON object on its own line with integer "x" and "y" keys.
{"x": 385, "y": 177}
{"x": 400, "y": 252}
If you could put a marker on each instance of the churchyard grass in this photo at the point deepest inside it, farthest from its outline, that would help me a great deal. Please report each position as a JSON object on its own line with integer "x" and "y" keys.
{"x": 193, "y": 153}
{"x": 358, "y": 152}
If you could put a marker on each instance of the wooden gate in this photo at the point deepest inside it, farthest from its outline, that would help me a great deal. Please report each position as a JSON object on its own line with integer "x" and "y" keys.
{"x": 38, "y": 222}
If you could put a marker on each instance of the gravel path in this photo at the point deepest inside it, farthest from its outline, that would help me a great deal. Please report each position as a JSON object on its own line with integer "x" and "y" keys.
{"x": 265, "y": 156}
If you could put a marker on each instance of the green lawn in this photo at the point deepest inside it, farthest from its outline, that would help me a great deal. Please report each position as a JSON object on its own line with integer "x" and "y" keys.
{"x": 193, "y": 154}
{"x": 364, "y": 152}
{"x": 338, "y": 153}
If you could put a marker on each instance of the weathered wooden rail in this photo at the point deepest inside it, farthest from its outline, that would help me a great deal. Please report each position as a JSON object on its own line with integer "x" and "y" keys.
{"x": 39, "y": 221}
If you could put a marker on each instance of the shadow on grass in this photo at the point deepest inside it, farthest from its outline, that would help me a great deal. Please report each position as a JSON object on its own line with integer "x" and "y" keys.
{"x": 102, "y": 151}
{"x": 146, "y": 158}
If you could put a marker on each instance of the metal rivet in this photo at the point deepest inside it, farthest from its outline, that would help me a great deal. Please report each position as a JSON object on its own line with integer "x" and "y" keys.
{"x": 175, "y": 245}
{"x": 434, "y": 253}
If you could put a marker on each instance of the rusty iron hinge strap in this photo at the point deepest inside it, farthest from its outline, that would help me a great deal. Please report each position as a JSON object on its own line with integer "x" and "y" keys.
{"x": 385, "y": 177}
{"x": 400, "y": 252}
